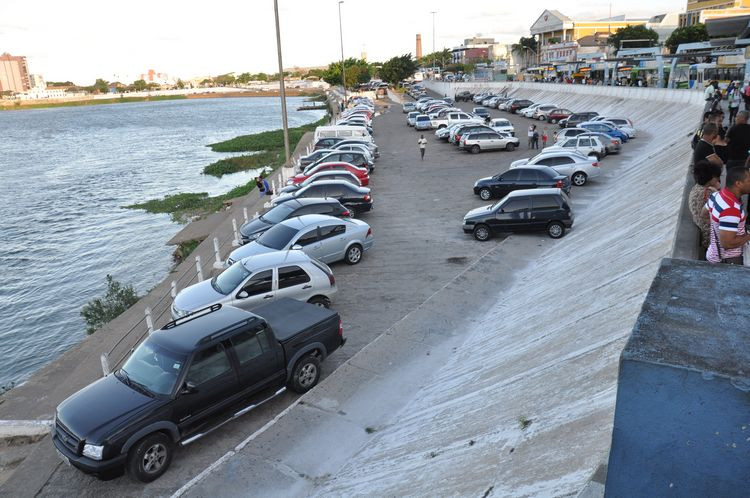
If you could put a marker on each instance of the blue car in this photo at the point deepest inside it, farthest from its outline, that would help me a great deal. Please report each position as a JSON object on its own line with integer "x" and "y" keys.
{"x": 604, "y": 128}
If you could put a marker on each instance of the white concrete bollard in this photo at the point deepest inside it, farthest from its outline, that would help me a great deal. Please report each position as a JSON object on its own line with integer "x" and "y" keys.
{"x": 216, "y": 250}
{"x": 244, "y": 213}
{"x": 257, "y": 215}
{"x": 273, "y": 188}
{"x": 173, "y": 292}
{"x": 105, "y": 364}
{"x": 198, "y": 268}
{"x": 235, "y": 231}
{"x": 149, "y": 321}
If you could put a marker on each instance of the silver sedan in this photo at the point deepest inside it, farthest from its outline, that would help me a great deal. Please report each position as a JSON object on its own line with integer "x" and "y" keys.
{"x": 322, "y": 237}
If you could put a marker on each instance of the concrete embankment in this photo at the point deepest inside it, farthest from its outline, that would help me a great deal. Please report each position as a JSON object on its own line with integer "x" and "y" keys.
{"x": 525, "y": 406}
{"x": 521, "y": 401}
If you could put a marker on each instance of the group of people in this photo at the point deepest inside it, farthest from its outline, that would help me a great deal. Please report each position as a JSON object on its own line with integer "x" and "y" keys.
{"x": 721, "y": 213}
{"x": 533, "y": 135}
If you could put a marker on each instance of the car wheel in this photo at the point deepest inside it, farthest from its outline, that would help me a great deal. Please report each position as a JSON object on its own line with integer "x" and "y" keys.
{"x": 485, "y": 194}
{"x": 475, "y": 149}
{"x": 321, "y": 301}
{"x": 441, "y": 127}
{"x": 552, "y": 121}
{"x": 305, "y": 375}
{"x": 579, "y": 178}
{"x": 482, "y": 233}
{"x": 555, "y": 229}
{"x": 150, "y": 457}
{"x": 353, "y": 254}
{"x": 541, "y": 118}
{"x": 510, "y": 147}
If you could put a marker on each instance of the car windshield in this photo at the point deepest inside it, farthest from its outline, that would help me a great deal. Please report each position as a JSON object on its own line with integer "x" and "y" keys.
{"x": 228, "y": 280}
{"x": 277, "y": 214}
{"x": 152, "y": 368}
{"x": 277, "y": 237}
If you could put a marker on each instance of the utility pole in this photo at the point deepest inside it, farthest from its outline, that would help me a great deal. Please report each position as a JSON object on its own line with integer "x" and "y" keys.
{"x": 281, "y": 83}
{"x": 433, "y": 30}
{"x": 341, "y": 36}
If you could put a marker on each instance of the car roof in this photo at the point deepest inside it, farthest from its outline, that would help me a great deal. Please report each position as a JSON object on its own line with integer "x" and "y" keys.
{"x": 307, "y": 201}
{"x": 336, "y": 182}
{"x": 300, "y": 222}
{"x": 185, "y": 335}
{"x": 261, "y": 261}
{"x": 533, "y": 191}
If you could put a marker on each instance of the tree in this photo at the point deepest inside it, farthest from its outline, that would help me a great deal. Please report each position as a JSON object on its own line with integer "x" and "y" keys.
{"x": 118, "y": 298}
{"x": 639, "y": 32}
{"x": 180, "y": 84}
{"x": 688, "y": 34}
{"x": 139, "y": 85}
{"x": 527, "y": 49}
{"x": 398, "y": 68}
{"x": 225, "y": 80}
{"x": 441, "y": 58}
{"x": 357, "y": 71}
{"x": 100, "y": 86}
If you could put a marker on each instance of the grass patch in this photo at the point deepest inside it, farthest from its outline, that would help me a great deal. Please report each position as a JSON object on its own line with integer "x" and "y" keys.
{"x": 236, "y": 164}
{"x": 184, "y": 249}
{"x": 266, "y": 140}
{"x": 80, "y": 103}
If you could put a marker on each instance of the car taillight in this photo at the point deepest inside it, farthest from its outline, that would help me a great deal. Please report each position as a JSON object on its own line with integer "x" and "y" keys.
{"x": 366, "y": 198}
{"x": 369, "y": 233}
{"x": 595, "y": 164}
{"x": 331, "y": 279}
{"x": 346, "y": 213}
{"x": 559, "y": 184}
{"x": 341, "y": 328}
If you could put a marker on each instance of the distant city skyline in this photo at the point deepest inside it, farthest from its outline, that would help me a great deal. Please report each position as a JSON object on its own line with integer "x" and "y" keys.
{"x": 86, "y": 40}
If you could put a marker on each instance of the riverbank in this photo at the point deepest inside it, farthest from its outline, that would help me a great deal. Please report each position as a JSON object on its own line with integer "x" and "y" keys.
{"x": 268, "y": 154}
{"x": 15, "y": 105}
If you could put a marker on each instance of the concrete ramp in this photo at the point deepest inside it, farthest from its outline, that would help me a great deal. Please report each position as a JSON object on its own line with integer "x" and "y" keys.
{"x": 517, "y": 400}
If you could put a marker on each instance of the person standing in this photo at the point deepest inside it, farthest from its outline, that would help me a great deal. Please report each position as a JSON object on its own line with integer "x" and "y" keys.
{"x": 707, "y": 181}
{"x": 544, "y": 137}
{"x": 422, "y": 142}
{"x": 734, "y": 104}
{"x": 530, "y": 143}
{"x": 727, "y": 223}
{"x": 536, "y": 138}
{"x": 738, "y": 141}
{"x": 705, "y": 149}
{"x": 263, "y": 186}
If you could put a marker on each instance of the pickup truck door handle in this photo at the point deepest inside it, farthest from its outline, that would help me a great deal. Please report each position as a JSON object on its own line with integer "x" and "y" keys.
{"x": 307, "y": 287}
{"x": 268, "y": 296}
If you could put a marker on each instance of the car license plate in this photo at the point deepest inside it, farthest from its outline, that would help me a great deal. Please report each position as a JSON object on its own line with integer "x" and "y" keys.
{"x": 64, "y": 458}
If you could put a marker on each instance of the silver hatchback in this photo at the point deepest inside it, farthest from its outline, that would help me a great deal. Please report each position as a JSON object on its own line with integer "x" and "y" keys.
{"x": 322, "y": 237}
{"x": 254, "y": 281}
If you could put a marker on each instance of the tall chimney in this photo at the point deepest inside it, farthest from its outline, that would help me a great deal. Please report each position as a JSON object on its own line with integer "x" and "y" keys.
{"x": 419, "y": 46}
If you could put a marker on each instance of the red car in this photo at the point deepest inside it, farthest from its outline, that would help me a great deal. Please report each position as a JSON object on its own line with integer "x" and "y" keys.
{"x": 557, "y": 114}
{"x": 360, "y": 173}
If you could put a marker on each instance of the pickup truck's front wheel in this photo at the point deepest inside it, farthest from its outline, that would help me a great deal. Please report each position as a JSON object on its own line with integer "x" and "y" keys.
{"x": 306, "y": 374}
{"x": 150, "y": 457}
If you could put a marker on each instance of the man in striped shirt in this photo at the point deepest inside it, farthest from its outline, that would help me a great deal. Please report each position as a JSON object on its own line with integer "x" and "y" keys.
{"x": 728, "y": 234}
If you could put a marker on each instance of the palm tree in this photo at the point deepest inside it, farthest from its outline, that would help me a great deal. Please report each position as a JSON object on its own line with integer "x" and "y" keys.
{"x": 524, "y": 46}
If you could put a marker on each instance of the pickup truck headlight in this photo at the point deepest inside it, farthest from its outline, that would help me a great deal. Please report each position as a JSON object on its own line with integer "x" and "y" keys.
{"x": 93, "y": 451}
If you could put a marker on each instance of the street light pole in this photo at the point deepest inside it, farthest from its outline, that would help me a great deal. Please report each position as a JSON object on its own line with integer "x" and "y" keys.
{"x": 433, "y": 30}
{"x": 281, "y": 84}
{"x": 341, "y": 37}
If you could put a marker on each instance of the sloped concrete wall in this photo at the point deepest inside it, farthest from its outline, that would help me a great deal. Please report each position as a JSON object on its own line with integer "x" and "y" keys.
{"x": 525, "y": 406}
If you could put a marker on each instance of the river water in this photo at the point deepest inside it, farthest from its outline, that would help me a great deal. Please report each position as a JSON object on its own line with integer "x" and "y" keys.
{"x": 64, "y": 175}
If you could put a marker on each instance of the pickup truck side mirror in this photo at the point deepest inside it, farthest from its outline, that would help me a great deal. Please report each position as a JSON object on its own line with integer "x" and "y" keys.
{"x": 243, "y": 294}
{"x": 296, "y": 247}
{"x": 188, "y": 388}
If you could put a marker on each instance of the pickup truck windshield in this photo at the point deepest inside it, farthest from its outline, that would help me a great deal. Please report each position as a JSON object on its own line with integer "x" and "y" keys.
{"x": 152, "y": 368}
{"x": 228, "y": 280}
{"x": 277, "y": 237}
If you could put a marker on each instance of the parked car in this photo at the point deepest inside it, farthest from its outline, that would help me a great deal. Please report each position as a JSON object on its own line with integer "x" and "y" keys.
{"x": 411, "y": 118}
{"x": 358, "y": 199}
{"x": 342, "y": 175}
{"x": 529, "y": 111}
{"x": 584, "y": 144}
{"x": 545, "y": 209}
{"x": 567, "y": 133}
{"x": 371, "y": 146}
{"x": 502, "y": 125}
{"x": 464, "y": 95}
{"x": 577, "y": 118}
{"x": 357, "y": 148}
{"x": 327, "y": 143}
{"x": 517, "y": 105}
{"x": 543, "y": 111}
{"x": 453, "y": 118}
{"x": 577, "y": 167}
{"x": 476, "y": 142}
{"x": 555, "y": 115}
{"x": 444, "y": 132}
{"x": 612, "y": 145}
{"x": 313, "y": 156}
{"x": 602, "y": 127}
{"x": 622, "y": 124}
{"x": 481, "y": 112}
{"x": 409, "y": 107}
{"x": 360, "y": 173}
{"x": 455, "y": 136}
{"x": 253, "y": 282}
{"x": 181, "y": 378}
{"x": 324, "y": 238}
{"x": 520, "y": 178}
{"x": 422, "y": 122}
{"x": 347, "y": 156}
{"x": 252, "y": 229}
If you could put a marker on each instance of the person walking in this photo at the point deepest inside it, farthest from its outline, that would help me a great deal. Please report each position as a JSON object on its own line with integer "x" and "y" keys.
{"x": 728, "y": 235}
{"x": 422, "y": 142}
{"x": 536, "y": 138}
{"x": 734, "y": 104}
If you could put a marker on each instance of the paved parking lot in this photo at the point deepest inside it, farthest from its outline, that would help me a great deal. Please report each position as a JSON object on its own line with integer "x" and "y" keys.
{"x": 419, "y": 248}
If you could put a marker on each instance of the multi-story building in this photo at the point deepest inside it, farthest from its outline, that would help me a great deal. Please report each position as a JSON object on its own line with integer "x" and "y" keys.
{"x": 697, "y": 11}
{"x": 474, "y": 49}
{"x": 14, "y": 74}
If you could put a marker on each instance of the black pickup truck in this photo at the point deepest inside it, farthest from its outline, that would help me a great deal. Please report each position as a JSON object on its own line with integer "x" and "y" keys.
{"x": 190, "y": 377}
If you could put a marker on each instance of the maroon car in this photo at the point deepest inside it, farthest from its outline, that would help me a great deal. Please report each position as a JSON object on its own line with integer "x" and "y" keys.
{"x": 557, "y": 114}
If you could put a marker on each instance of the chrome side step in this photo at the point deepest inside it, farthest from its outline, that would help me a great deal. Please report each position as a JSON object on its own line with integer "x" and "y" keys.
{"x": 236, "y": 415}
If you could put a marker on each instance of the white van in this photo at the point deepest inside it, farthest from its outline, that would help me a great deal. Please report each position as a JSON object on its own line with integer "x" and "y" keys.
{"x": 341, "y": 131}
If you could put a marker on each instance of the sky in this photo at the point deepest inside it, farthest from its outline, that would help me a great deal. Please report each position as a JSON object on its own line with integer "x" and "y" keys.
{"x": 82, "y": 40}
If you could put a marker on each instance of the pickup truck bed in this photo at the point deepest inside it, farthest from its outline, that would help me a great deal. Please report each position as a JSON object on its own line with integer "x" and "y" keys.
{"x": 289, "y": 317}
